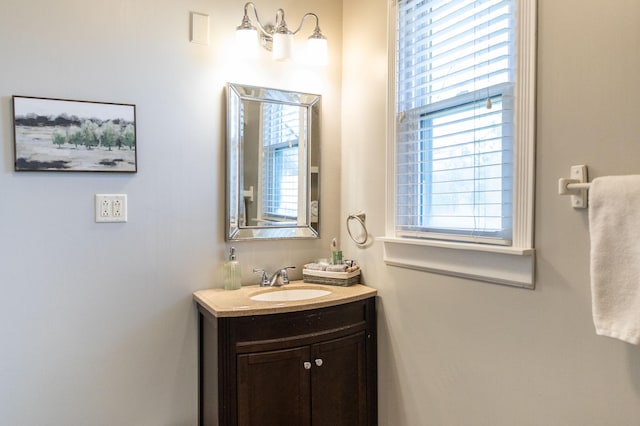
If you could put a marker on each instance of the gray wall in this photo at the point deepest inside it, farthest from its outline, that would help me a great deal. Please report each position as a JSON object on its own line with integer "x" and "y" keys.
{"x": 97, "y": 326}
{"x": 96, "y": 321}
{"x": 458, "y": 352}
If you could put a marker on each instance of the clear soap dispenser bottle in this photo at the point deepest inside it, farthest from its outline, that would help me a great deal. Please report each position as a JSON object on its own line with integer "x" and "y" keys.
{"x": 232, "y": 272}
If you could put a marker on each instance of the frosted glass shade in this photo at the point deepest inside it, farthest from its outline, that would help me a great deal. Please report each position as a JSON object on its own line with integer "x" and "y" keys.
{"x": 317, "y": 51}
{"x": 247, "y": 42}
{"x": 282, "y": 46}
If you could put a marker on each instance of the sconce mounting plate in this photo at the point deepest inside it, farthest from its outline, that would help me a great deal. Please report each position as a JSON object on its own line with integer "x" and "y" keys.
{"x": 266, "y": 40}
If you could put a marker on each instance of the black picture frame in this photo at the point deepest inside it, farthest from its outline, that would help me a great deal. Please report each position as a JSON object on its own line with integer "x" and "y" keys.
{"x": 63, "y": 135}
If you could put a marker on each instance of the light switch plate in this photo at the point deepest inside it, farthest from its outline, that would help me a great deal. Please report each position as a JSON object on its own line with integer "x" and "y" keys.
{"x": 199, "y": 28}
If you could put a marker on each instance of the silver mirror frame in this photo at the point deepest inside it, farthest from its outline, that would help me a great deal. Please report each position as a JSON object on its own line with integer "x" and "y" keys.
{"x": 236, "y": 94}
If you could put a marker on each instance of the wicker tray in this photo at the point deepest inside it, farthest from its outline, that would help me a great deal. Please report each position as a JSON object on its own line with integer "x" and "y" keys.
{"x": 342, "y": 279}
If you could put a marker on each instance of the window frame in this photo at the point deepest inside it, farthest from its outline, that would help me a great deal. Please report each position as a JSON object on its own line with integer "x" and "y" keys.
{"x": 504, "y": 264}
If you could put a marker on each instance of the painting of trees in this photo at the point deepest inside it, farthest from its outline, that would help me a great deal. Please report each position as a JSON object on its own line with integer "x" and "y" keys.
{"x": 82, "y": 133}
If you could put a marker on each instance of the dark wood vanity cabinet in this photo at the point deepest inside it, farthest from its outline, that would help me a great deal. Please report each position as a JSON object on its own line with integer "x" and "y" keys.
{"x": 315, "y": 367}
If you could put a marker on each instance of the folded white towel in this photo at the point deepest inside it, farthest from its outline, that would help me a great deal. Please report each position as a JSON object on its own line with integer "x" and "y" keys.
{"x": 337, "y": 268}
{"x": 315, "y": 266}
{"x": 614, "y": 225}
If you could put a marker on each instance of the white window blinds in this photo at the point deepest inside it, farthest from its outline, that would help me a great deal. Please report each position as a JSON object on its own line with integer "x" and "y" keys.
{"x": 454, "y": 110}
{"x": 280, "y": 141}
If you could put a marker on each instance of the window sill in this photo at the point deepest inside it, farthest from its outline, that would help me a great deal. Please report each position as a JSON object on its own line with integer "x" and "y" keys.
{"x": 494, "y": 264}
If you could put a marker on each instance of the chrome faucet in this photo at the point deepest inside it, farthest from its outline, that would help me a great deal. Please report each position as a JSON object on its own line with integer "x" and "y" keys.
{"x": 279, "y": 278}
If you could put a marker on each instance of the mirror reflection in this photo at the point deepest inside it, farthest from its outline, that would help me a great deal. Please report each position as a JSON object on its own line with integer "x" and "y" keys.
{"x": 272, "y": 163}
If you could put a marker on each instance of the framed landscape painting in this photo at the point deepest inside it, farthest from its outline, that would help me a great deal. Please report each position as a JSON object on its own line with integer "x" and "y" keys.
{"x": 74, "y": 136}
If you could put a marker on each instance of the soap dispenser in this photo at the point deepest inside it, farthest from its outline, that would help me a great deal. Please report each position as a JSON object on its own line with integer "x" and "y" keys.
{"x": 232, "y": 272}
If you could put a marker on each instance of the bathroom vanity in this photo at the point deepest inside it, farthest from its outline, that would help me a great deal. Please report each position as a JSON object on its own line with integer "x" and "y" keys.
{"x": 287, "y": 362}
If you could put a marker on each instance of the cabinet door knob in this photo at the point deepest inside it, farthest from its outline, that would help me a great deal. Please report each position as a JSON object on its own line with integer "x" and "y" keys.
{"x": 307, "y": 365}
{"x": 319, "y": 362}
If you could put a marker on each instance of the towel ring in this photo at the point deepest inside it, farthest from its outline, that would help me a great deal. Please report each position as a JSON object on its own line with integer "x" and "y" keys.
{"x": 360, "y": 218}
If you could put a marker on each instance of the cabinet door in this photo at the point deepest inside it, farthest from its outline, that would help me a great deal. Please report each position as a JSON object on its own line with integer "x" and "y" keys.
{"x": 338, "y": 382}
{"x": 273, "y": 388}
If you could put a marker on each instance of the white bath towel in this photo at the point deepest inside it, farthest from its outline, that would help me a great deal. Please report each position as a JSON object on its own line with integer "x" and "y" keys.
{"x": 614, "y": 225}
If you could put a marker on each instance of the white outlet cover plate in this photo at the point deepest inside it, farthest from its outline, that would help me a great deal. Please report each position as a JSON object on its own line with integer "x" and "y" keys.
{"x": 111, "y": 215}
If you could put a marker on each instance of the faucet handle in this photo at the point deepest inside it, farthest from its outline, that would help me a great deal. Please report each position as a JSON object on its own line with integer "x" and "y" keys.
{"x": 264, "y": 281}
{"x": 285, "y": 275}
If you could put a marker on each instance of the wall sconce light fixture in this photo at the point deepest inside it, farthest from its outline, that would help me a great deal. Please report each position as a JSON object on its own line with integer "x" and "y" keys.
{"x": 278, "y": 38}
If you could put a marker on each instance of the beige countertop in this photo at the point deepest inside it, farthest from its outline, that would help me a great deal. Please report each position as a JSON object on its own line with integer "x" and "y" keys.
{"x": 238, "y": 303}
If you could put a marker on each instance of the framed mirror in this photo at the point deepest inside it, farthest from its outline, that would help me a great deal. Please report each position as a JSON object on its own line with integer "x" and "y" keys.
{"x": 273, "y": 153}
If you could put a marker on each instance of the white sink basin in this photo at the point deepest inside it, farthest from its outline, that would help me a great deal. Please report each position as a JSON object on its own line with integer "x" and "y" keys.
{"x": 288, "y": 295}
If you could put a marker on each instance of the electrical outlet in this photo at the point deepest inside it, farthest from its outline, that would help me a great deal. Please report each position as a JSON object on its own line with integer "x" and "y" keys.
{"x": 105, "y": 208}
{"x": 111, "y": 207}
{"x": 116, "y": 208}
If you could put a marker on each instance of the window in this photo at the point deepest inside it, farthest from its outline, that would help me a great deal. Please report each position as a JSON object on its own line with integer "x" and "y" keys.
{"x": 462, "y": 135}
{"x": 279, "y": 166}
